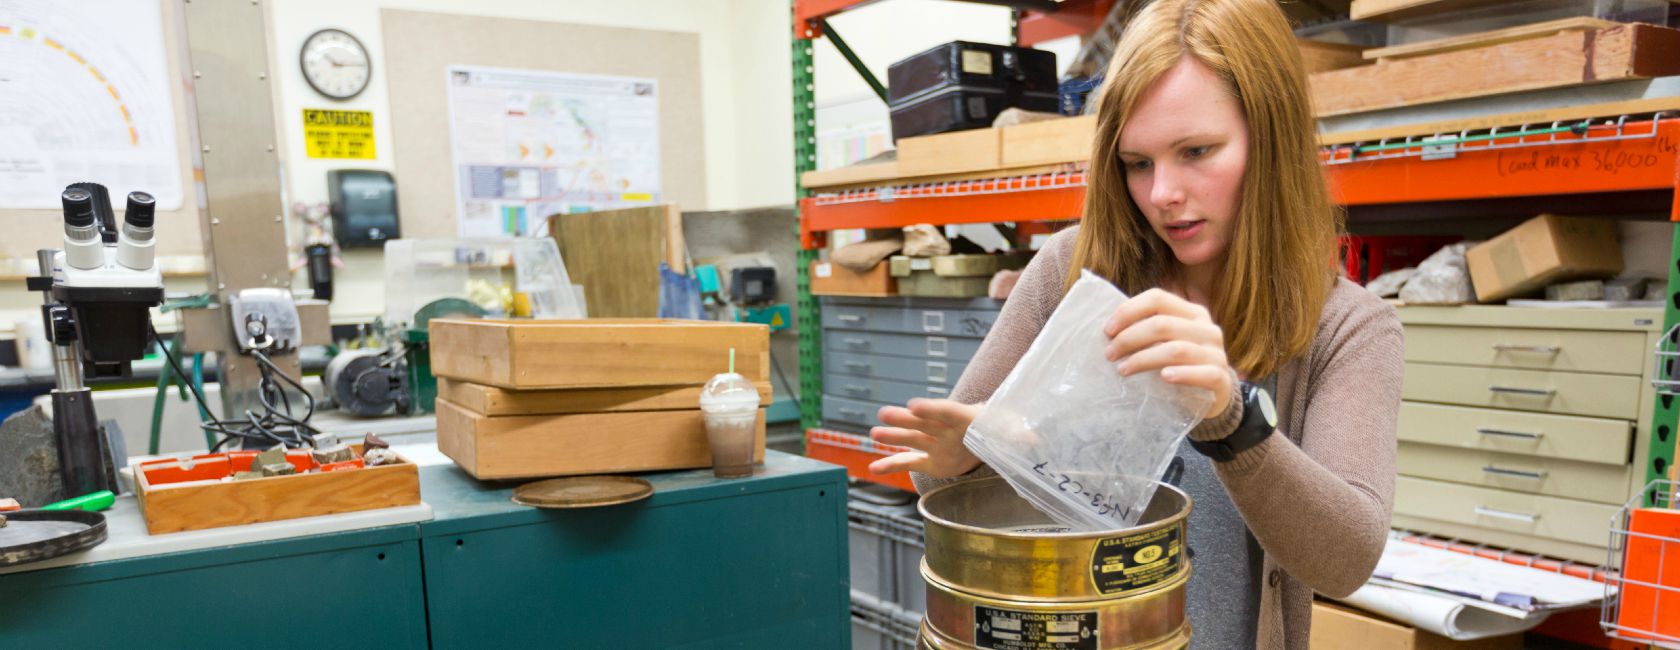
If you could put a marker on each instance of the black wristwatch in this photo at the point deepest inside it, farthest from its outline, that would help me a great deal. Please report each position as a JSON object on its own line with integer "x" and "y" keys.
{"x": 1259, "y": 420}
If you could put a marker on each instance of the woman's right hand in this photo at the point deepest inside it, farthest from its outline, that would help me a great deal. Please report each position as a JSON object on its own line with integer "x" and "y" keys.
{"x": 934, "y": 428}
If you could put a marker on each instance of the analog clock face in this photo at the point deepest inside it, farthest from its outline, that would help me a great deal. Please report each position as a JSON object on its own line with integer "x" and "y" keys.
{"x": 335, "y": 64}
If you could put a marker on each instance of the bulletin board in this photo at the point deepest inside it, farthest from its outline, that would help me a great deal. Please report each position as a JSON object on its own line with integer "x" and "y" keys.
{"x": 27, "y": 230}
{"x": 420, "y": 47}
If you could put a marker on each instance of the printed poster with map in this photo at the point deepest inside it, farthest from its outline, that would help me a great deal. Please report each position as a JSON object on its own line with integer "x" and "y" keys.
{"x": 85, "y": 96}
{"x": 528, "y": 144}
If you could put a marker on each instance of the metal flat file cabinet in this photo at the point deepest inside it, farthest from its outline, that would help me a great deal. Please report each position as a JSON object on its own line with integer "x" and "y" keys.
{"x": 361, "y": 589}
{"x": 703, "y": 563}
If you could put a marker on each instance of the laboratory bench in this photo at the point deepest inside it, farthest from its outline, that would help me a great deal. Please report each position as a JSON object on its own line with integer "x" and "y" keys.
{"x": 703, "y": 562}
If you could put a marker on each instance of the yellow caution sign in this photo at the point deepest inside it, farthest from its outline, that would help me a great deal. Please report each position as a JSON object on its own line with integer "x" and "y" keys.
{"x": 338, "y": 134}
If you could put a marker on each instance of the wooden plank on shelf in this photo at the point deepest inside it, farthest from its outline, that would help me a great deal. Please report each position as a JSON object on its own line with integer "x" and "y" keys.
{"x": 950, "y": 153}
{"x": 1483, "y": 39}
{"x": 1567, "y": 59}
{"x": 1385, "y": 10}
{"x": 850, "y": 175}
{"x": 1482, "y": 122}
{"x": 1048, "y": 142}
{"x": 615, "y": 255}
{"x": 1320, "y": 56}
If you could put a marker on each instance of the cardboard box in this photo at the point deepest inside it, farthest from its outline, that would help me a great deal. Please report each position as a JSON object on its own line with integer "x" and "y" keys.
{"x": 950, "y": 153}
{"x": 533, "y": 446}
{"x": 830, "y": 279}
{"x": 1541, "y": 251}
{"x": 1335, "y": 627}
{"x": 542, "y": 354}
{"x": 490, "y": 400}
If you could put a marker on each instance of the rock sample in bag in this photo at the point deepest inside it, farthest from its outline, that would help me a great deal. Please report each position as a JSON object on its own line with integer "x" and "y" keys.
{"x": 1388, "y": 284}
{"x": 864, "y": 255}
{"x": 1442, "y": 279}
{"x": 925, "y": 241}
{"x": 1583, "y": 290}
{"x": 1621, "y": 289}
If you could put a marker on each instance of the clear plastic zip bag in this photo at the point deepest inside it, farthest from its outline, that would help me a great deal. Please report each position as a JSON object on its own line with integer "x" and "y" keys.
{"x": 1064, "y": 427}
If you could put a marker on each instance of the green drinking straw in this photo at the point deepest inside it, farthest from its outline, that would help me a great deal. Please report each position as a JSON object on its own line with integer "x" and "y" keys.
{"x": 731, "y": 360}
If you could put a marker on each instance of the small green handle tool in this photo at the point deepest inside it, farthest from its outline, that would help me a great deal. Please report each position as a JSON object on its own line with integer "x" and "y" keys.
{"x": 90, "y": 502}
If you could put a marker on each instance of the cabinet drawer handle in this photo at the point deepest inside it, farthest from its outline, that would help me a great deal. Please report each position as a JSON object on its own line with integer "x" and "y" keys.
{"x": 1536, "y": 392}
{"x": 1517, "y": 473}
{"x": 857, "y": 390}
{"x": 852, "y": 412}
{"x": 859, "y": 365}
{"x": 1484, "y": 511}
{"x": 1537, "y": 349}
{"x": 933, "y": 321}
{"x": 849, "y": 318}
{"x": 938, "y": 372}
{"x": 856, "y": 343}
{"x": 937, "y": 391}
{"x": 1509, "y": 434}
{"x": 937, "y": 346}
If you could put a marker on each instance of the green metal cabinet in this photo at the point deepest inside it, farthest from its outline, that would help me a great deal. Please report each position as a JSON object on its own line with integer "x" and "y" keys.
{"x": 356, "y": 589}
{"x": 703, "y": 563}
{"x": 758, "y": 562}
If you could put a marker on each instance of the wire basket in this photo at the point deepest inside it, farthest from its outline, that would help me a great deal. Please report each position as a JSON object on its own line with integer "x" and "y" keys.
{"x": 1642, "y": 587}
{"x": 1667, "y": 377}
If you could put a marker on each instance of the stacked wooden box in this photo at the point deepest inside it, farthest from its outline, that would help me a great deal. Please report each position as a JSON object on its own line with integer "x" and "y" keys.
{"x": 532, "y": 398}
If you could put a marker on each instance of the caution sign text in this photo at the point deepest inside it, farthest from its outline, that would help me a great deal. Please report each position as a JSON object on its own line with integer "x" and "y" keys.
{"x": 338, "y": 134}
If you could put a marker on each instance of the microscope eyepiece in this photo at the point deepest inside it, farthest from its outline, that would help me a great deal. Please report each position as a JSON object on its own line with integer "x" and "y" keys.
{"x": 78, "y": 207}
{"x": 141, "y": 210}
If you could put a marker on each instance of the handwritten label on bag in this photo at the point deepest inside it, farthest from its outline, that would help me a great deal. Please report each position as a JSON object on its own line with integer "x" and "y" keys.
{"x": 1100, "y": 502}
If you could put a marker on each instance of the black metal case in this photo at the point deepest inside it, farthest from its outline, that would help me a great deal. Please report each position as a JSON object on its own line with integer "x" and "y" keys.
{"x": 962, "y": 85}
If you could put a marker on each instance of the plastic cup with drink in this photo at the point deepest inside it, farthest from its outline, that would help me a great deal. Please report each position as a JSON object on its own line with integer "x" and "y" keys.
{"x": 729, "y": 404}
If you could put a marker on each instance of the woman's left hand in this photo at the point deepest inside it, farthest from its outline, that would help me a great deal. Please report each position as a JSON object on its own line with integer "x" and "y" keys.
{"x": 1157, "y": 330}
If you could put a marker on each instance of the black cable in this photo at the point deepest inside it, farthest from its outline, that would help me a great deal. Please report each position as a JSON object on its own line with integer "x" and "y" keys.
{"x": 176, "y": 366}
{"x": 275, "y": 424}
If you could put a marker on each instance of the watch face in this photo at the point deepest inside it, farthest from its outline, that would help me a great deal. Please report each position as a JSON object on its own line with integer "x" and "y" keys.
{"x": 335, "y": 64}
{"x": 1267, "y": 408}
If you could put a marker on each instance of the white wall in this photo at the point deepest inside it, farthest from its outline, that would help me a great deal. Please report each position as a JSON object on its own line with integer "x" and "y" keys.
{"x": 745, "y": 65}
{"x": 738, "y": 38}
{"x": 745, "y": 98}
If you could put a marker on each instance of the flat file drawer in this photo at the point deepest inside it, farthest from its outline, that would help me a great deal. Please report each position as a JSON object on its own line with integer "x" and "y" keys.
{"x": 851, "y": 411}
{"x": 1548, "y": 476}
{"x": 1611, "y": 396}
{"x": 954, "y": 348}
{"x": 1567, "y": 520}
{"x": 887, "y": 318}
{"x": 879, "y": 390}
{"x": 1569, "y": 437}
{"x": 1536, "y": 349}
{"x": 915, "y": 371}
